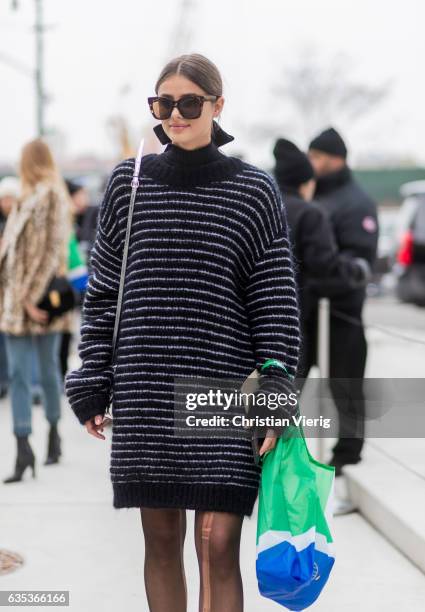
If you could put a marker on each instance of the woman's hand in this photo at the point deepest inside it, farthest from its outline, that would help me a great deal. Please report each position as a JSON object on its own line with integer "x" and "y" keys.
{"x": 95, "y": 425}
{"x": 36, "y": 314}
{"x": 269, "y": 442}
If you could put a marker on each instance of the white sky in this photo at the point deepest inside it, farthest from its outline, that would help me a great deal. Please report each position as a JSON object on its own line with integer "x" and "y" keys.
{"x": 95, "y": 47}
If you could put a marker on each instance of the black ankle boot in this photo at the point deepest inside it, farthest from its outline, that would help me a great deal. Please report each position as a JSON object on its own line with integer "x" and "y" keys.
{"x": 25, "y": 458}
{"x": 53, "y": 446}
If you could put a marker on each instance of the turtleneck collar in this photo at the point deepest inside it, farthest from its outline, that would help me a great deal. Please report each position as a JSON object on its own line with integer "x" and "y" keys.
{"x": 183, "y": 167}
{"x": 328, "y": 183}
{"x": 174, "y": 154}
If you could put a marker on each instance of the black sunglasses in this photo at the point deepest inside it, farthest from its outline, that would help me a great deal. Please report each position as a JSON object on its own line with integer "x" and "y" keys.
{"x": 190, "y": 106}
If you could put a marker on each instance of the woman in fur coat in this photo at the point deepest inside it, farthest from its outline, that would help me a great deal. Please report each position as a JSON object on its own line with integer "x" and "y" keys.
{"x": 34, "y": 249}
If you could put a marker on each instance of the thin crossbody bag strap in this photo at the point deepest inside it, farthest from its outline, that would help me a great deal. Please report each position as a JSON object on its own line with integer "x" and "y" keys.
{"x": 134, "y": 187}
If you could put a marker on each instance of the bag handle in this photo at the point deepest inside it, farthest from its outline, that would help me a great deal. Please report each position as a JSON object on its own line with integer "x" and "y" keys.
{"x": 134, "y": 187}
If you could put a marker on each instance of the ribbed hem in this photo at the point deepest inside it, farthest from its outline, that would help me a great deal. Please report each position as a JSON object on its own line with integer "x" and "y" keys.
{"x": 223, "y": 498}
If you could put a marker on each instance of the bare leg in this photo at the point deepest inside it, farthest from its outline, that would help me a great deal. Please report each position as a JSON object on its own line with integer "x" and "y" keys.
{"x": 217, "y": 540}
{"x": 164, "y": 530}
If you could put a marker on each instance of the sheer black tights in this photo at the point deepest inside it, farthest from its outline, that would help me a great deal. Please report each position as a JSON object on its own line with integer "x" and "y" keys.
{"x": 217, "y": 542}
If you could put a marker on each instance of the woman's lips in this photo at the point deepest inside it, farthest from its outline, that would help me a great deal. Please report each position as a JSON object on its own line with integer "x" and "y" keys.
{"x": 178, "y": 128}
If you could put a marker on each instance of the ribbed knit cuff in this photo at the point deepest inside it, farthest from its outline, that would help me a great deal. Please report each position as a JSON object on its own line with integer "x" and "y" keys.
{"x": 275, "y": 384}
{"x": 89, "y": 407}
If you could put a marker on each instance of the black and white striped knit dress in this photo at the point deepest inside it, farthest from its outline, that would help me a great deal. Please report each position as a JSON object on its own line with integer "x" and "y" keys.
{"x": 209, "y": 291}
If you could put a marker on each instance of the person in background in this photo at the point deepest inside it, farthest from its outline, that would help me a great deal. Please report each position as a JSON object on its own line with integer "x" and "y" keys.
{"x": 321, "y": 270}
{"x": 85, "y": 217}
{"x": 33, "y": 249}
{"x": 353, "y": 215}
{"x": 9, "y": 194}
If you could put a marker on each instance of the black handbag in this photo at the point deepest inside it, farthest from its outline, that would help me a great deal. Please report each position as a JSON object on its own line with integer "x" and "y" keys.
{"x": 59, "y": 298}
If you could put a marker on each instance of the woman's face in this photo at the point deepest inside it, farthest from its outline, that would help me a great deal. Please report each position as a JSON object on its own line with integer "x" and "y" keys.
{"x": 196, "y": 132}
{"x": 80, "y": 200}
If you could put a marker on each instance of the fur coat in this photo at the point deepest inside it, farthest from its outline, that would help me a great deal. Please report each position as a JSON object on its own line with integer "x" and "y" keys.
{"x": 33, "y": 248}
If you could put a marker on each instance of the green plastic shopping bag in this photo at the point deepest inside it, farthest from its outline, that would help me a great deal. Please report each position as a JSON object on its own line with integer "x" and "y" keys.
{"x": 77, "y": 267}
{"x": 295, "y": 552}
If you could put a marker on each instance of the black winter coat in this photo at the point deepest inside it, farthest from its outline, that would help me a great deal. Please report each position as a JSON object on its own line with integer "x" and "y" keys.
{"x": 321, "y": 271}
{"x": 353, "y": 215}
{"x": 85, "y": 229}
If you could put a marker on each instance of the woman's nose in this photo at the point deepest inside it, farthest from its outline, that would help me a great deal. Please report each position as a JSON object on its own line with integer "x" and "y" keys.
{"x": 175, "y": 115}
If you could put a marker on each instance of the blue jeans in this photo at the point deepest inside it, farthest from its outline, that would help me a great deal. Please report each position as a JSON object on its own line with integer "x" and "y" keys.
{"x": 20, "y": 357}
{"x": 4, "y": 375}
{"x": 4, "y": 378}
{"x": 35, "y": 378}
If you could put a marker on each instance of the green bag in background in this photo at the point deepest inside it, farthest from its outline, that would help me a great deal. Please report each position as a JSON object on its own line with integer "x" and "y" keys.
{"x": 77, "y": 266}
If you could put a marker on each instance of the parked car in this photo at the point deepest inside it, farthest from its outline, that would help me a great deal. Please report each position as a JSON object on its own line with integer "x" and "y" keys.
{"x": 410, "y": 266}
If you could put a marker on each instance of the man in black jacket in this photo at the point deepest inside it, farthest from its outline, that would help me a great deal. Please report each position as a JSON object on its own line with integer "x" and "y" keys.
{"x": 321, "y": 271}
{"x": 353, "y": 216}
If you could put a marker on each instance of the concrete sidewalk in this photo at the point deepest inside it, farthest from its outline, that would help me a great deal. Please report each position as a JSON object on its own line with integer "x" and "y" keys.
{"x": 71, "y": 537}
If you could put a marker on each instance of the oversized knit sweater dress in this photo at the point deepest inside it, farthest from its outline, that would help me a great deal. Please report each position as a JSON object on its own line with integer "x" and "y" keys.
{"x": 209, "y": 292}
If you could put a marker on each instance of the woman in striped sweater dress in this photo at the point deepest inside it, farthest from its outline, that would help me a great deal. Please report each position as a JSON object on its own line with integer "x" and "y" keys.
{"x": 209, "y": 292}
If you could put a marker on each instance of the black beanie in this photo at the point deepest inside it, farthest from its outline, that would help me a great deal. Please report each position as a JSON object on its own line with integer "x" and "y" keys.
{"x": 329, "y": 141}
{"x": 292, "y": 168}
{"x": 72, "y": 186}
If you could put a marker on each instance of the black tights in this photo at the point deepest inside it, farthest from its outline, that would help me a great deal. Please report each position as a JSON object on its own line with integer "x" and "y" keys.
{"x": 217, "y": 542}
